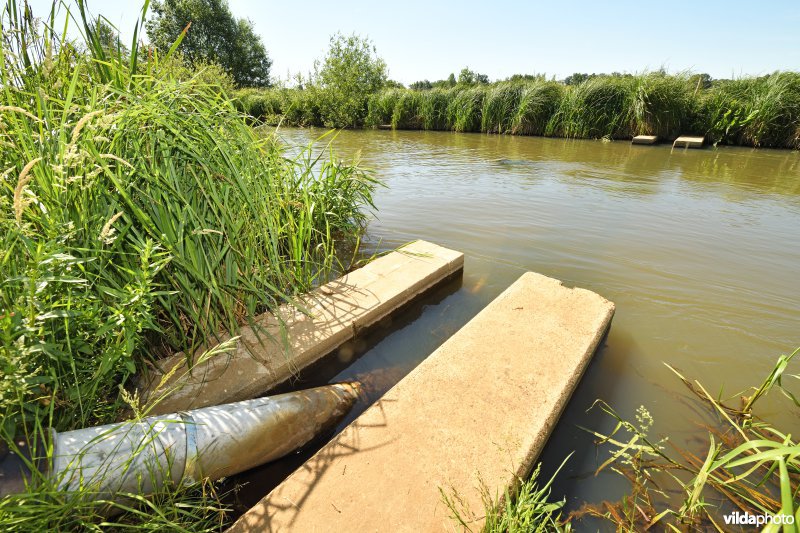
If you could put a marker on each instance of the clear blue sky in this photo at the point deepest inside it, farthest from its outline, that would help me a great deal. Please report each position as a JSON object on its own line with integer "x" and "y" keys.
{"x": 429, "y": 39}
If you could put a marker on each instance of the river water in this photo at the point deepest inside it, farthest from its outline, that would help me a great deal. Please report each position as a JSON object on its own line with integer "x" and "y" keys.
{"x": 699, "y": 250}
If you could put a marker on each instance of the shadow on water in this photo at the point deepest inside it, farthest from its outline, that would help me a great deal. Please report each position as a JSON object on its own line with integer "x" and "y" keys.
{"x": 362, "y": 359}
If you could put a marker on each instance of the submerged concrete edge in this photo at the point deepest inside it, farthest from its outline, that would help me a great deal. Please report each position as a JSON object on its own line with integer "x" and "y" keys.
{"x": 293, "y": 340}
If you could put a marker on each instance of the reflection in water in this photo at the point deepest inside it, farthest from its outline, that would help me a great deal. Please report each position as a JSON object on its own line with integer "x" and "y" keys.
{"x": 700, "y": 251}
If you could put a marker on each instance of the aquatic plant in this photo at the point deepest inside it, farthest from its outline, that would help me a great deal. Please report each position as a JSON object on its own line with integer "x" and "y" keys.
{"x": 749, "y": 466}
{"x": 500, "y": 107}
{"x": 302, "y": 107}
{"x": 406, "y": 113}
{"x": 139, "y": 215}
{"x": 262, "y": 105}
{"x": 465, "y": 108}
{"x": 380, "y": 107}
{"x": 762, "y": 111}
{"x": 433, "y": 109}
{"x": 659, "y": 104}
{"x": 538, "y": 102}
{"x": 593, "y": 109}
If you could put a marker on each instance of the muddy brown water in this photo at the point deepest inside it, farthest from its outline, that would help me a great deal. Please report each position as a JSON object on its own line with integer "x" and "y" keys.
{"x": 699, "y": 249}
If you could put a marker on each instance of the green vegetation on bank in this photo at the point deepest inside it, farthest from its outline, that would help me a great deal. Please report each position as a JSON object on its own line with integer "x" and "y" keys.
{"x": 139, "y": 215}
{"x": 752, "y": 111}
{"x": 746, "y": 465}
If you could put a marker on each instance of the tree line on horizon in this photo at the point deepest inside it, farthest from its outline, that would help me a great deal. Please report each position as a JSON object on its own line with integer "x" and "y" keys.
{"x": 469, "y": 77}
{"x": 349, "y": 87}
{"x": 214, "y": 35}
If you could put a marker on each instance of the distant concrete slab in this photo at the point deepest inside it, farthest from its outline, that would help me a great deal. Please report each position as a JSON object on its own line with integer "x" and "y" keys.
{"x": 645, "y": 139}
{"x": 685, "y": 141}
{"x": 335, "y": 312}
{"x": 479, "y": 409}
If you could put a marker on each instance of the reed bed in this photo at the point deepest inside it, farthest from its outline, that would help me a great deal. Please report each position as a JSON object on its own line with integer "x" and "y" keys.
{"x": 751, "y": 111}
{"x": 406, "y": 112}
{"x": 538, "y": 102}
{"x": 465, "y": 110}
{"x": 500, "y": 107}
{"x": 433, "y": 109}
{"x": 380, "y": 107}
{"x": 594, "y": 109}
{"x": 141, "y": 215}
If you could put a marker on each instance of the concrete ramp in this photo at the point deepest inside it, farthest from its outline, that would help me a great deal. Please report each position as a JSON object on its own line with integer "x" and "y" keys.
{"x": 278, "y": 345}
{"x": 481, "y": 407}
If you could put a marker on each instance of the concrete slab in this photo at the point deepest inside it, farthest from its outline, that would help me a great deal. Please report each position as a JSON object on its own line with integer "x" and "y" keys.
{"x": 645, "y": 139}
{"x": 685, "y": 141}
{"x": 336, "y": 312}
{"x": 481, "y": 407}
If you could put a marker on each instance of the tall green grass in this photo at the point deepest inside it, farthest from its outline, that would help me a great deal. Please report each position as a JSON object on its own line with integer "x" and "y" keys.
{"x": 465, "y": 110}
{"x": 538, "y": 102}
{"x": 380, "y": 107}
{"x": 433, "y": 109}
{"x": 139, "y": 215}
{"x": 500, "y": 107}
{"x": 660, "y": 105}
{"x": 406, "y": 112}
{"x": 596, "y": 108}
{"x": 753, "y": 111}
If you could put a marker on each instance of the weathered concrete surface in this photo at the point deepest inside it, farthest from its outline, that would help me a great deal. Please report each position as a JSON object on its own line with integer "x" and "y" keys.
{"x": 480, "y": 407}
{"x": 645, "y": 139}
{"x": 336, "y": 312}
{"x": 685, "y": 141}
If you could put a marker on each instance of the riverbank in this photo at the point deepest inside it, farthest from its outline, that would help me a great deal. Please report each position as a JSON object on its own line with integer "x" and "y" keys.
{"x": 141, "y": 215}
{"x": 749, "y": 111}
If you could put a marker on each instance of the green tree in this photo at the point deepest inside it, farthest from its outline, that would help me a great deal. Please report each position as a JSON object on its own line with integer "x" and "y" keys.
{"x": 445, "y": 84}
{"x": 347, "y": 76}
{"x": 577, "y": 78}
{"x": 422, "y": 85}
{"x": 468, "y": 77}
{"x": 213, "y": 35}
{"x": 701, "y": 81}
{"x": 526, "y": 77}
